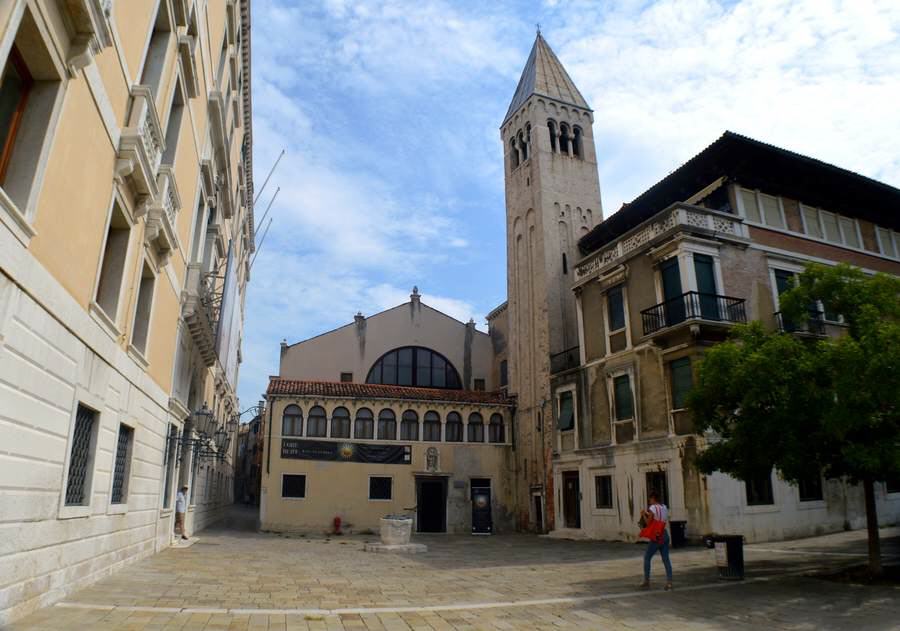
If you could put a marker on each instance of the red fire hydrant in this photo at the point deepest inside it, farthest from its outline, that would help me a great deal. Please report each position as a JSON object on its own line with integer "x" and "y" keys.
{"x": 337, "y": 526}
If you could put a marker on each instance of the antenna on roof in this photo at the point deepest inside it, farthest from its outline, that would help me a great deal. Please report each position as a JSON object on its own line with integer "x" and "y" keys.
{"x": 538, "y": 25}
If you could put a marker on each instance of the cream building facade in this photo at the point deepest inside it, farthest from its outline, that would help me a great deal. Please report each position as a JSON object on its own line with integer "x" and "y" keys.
{"x": 125, "y": 232}
{"x": 394, "y": 413}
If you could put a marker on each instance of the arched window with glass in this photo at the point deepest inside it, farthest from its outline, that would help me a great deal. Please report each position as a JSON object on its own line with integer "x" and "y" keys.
{"x": 364, "y": 425}
{"x": 476, "y": 428}
{"x": 431, "y": 427}
{"x": 340, "y": 423}
{"x": 453, "y": 432}
{"x": 292, "y": 421}
{"x": 387, "y": 425}
{"x": 495, "y": 429}
{"x": 415, "y": 366}
{"x": 409, "y": 426}
{"x": 317, "y": 423}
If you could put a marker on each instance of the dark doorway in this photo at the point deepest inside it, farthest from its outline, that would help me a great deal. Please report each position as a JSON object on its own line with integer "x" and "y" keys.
{"x": 431, "y": 496}
{"x": 657, "y": 481}
{"x": 538, "y": 513}
{"x": 571, "y": 499}
{"x": 482, "y": 521}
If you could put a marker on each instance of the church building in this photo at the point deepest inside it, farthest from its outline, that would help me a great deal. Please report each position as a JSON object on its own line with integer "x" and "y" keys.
{"x": 566, "y": 415}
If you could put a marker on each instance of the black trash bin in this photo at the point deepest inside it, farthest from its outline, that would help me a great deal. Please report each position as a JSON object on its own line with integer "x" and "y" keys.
{"x": 679, "y": 533}
{"x": 729, "y": 556}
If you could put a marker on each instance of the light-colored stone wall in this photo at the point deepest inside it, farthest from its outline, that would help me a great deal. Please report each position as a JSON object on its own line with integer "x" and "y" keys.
{"x": 57, "y": 348}
{"x": 356, "y": 347}
{"x": 340, "y": 489}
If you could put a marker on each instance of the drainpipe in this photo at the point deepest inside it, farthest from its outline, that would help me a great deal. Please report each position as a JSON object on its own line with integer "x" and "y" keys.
{"x": 271, "y": 401}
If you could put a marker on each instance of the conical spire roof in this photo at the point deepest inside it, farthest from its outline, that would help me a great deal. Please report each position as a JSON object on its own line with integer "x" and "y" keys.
{"x": 545, "y": 75}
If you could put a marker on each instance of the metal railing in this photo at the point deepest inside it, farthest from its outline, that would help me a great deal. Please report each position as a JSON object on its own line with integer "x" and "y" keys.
{"x": 693, "y": 305}
{"x": 569, "y": 358}
{"x": 813, "y": 325}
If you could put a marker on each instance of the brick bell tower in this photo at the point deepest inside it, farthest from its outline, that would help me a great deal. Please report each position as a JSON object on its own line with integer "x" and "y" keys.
{"x": 552, "y": 199}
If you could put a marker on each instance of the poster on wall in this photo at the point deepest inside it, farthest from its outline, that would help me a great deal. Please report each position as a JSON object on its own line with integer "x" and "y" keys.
{"x": 345, "y": 452}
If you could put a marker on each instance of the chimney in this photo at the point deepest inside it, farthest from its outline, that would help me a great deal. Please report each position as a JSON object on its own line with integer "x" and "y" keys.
{"x": 284, "y": 346}
{"x": 360, "y": 320}
{"x": 414, "y": 297}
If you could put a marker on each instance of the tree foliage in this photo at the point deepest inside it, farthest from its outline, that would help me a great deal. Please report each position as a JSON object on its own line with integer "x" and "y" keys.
{"x": 808, "y": 406}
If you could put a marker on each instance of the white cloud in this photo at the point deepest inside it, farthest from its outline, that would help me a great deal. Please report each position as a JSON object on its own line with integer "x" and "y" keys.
{"x": 666, "y": 79}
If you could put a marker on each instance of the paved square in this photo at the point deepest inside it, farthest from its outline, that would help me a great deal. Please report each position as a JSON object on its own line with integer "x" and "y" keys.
{"x": 232, "y": 579}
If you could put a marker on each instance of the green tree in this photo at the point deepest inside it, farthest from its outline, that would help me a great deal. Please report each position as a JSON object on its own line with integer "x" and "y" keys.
{"x": 810, "y": 407}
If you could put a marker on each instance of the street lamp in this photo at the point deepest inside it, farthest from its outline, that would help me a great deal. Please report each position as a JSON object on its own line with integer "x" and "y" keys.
{"x": 204, "y": 421}
{"x": 219, "y": 438}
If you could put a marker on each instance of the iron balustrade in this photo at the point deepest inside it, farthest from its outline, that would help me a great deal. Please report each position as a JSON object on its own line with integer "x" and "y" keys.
{"x": 693, "y": 305}
{"x": 813, "y": 325}
{"x": 569, "y": 358}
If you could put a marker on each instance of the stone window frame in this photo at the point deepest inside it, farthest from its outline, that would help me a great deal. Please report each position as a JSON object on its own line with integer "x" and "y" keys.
{"x": 894, "y": 237}
{"x": 611, "y": 399}
{"x": 573, "y": 390}
{"x": 597, "y": 472}
{"x": 110, "y": 322}
{"x": 757, "y": 193}
{"x": 839, "y": 218}
{"x": 141, "y": 356}
{"x": 369, "y": 488}
{"x": 606, "y": 321}
{"x": 82, "y": 398}
{"x": 122, "y": 507}
{"x": 305, "y": 486}
{"x": 20, "y": 217}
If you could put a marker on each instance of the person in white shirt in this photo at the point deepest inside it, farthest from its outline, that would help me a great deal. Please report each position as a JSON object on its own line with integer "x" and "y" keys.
{"x": 657, "y": 515}
{"x": 180, "y": 509}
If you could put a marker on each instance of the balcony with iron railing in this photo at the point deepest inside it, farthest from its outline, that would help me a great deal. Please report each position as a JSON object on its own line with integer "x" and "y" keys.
{"x": 813, "y": 325}
{"x": 694, "y": 306}
{"x": 565, "y": 360}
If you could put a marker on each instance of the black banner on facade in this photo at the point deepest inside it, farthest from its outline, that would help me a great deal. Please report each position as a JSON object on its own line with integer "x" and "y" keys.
{"x": 345, "y": 452}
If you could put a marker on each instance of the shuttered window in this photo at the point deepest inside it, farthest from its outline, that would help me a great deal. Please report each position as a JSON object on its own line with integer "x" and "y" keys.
{"x": 624, "y": 402}
{"x": 682, "y": 381}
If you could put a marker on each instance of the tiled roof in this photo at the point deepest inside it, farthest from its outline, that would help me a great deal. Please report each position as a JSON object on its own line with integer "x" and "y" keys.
{"x": 544, "y": 74}
{"x": 278, "y": 386}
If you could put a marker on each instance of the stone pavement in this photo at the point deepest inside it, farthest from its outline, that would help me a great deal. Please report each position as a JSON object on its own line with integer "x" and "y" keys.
{"x": 232, "y": 579}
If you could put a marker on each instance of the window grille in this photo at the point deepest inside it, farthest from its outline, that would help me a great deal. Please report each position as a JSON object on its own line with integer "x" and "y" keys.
{"x": 118, "y": 488}
{"x": 76, "y": 485}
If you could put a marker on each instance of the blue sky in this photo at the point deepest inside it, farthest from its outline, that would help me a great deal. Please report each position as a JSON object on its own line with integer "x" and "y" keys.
{"x": 389, "y": 112}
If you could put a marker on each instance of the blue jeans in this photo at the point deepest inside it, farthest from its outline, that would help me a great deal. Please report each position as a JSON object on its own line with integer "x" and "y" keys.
{"x": 663, "y": 548}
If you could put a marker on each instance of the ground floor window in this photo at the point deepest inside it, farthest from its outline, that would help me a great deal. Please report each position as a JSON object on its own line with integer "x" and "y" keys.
{"x": 811, "y": 489}
{"x": 380, "y": 488}
{"x": 603, "y": 491}
{"x": 759, "y": 491}
{"x": 892, "y": 485}
{"x": 293, "y": 486}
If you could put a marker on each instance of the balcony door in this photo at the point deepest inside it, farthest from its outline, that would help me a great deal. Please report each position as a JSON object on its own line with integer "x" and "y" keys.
{"x": 706, "y": 287}
{"x": 672, "y": 292}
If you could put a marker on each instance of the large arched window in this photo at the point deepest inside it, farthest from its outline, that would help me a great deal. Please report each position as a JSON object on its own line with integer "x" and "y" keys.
{"x": 387, "y": 425}
{"x": 495, "y": 429}
{"x": 340, "y": 423}
{"x": 453, "y": 433}
{"x": 317, "y": 423}
{"x": 364, "y": 424}
{"x": 476, "y": 428}
{"x": 577, "y": 149}
{"x": 431, "y": 428}
{"x": 409, "y": 426}
{"x": 564, "y": 138}
{"x": 292, "y": 421}
{"x": 415, "y": 366}
{"x": 551, "y": 126}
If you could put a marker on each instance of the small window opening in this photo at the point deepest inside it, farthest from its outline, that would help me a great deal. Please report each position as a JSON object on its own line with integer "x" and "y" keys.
{"x": 565, "y": 264}
{"x": 513, "y": 154}
{"x": 551, "y": 126}
{"x": 524, "y": 146}
{"x": 576, "y": 143}
{"x": 564, "y": 138}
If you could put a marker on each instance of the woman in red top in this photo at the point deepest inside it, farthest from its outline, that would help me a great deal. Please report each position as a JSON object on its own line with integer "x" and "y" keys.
{"x": 656, "y": 516}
